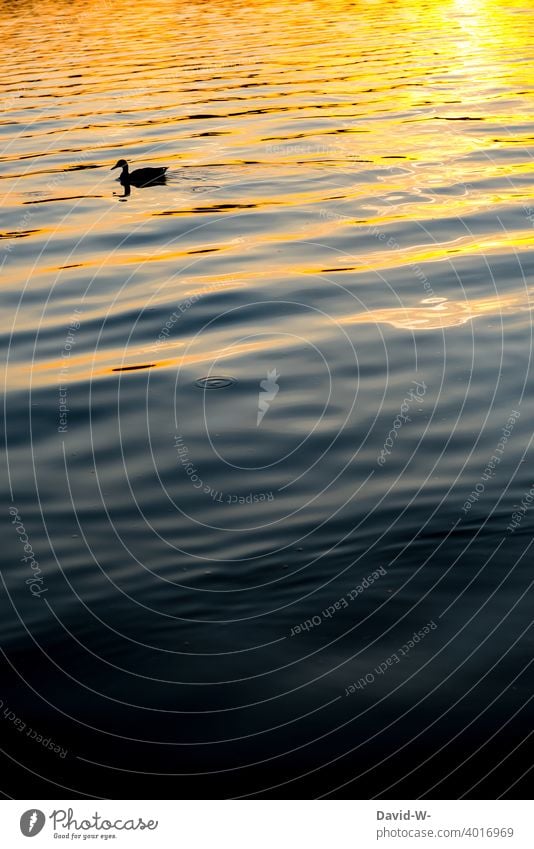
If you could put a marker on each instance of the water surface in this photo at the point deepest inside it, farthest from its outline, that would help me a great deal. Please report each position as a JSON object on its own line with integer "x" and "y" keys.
{"x": 270, "y": 420}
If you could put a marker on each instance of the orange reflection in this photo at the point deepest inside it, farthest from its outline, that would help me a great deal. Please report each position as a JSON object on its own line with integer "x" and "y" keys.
{"x": 441, "y": 313}
{"x": 328, "y": 124}
{"x": 430, "y": 314}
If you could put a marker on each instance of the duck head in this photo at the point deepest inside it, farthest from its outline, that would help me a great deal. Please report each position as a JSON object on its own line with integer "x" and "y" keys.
{"x": 120, "y": 164}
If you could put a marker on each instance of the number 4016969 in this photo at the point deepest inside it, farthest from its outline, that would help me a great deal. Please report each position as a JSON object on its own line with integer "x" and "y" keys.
{"x": 488, "y": 832}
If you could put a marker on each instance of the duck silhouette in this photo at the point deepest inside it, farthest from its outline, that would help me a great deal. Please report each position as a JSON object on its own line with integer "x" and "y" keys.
{"x": 141, "y": 176}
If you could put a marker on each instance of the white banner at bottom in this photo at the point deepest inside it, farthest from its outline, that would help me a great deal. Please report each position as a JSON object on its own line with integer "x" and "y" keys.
{"x": 268, "y": 824}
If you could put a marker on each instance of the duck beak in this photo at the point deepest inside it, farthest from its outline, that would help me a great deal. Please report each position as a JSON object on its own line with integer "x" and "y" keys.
{"x": 115, "y": 166}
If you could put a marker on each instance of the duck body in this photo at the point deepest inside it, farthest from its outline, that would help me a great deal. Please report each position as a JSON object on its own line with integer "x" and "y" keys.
{"x": 141, "y": 176}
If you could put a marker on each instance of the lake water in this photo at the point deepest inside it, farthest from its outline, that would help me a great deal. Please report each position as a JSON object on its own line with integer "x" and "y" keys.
{"x": 270, "y": 420}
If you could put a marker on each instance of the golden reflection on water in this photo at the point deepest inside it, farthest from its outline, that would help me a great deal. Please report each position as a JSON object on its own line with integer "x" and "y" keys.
{"x": 438, "y": 313}
{"x": 331, "y": 124}
{"x": 430, "y": 314}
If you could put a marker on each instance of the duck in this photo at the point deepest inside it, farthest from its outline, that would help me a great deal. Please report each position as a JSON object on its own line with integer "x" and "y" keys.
{"x": 141, "y": 176}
